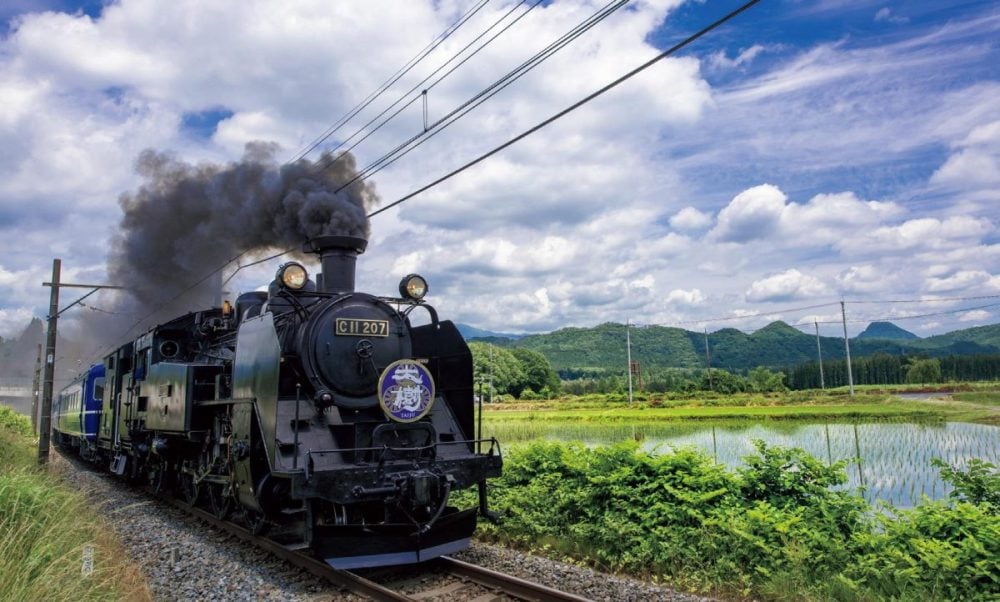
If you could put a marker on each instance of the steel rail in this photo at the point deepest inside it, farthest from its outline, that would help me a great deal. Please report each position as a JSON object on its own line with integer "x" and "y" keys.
{"x": 341, "y": 578}
{"x": 522, "y": 589}
{"x": 508, "y": 584}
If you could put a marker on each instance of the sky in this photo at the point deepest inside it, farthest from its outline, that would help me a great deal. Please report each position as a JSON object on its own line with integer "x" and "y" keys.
{"x": 805, "y": 153}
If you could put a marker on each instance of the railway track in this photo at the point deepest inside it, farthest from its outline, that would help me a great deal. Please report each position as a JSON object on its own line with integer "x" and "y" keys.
{"x": 441, "y": 579}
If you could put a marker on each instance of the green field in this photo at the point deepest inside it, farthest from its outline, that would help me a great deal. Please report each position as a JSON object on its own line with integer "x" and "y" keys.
{"x": 872, "y": 403}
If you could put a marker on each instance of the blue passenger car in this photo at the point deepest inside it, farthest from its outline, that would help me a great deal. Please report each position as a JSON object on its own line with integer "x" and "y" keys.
{"x": 76, "y": 412}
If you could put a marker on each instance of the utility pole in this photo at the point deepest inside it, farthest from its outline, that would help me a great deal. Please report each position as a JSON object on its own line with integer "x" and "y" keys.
{"x": 36, "y": 391}
{"x": 819, "y": 353}
{"x": 45, "y": 420}
{"x": 847, "y": 346}
{"x": 45, "y": 414}
{"x": 708, "y": 361}
{"x": 628, "y": 345}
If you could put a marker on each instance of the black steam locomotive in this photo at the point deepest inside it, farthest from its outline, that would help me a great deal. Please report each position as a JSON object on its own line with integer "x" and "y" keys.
{"x": 312, "y": 410}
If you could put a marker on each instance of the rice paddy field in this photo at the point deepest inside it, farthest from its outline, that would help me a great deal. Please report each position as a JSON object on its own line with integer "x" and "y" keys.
{"x": 889, "y": 456}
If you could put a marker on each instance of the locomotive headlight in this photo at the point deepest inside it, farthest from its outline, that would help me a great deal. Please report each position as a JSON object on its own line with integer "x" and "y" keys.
{"x": 413, "y": 287}
{"x": 293, "y": 275}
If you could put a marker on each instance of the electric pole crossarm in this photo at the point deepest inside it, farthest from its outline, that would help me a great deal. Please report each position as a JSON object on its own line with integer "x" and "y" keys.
{"x": 71, "y": 285}
{"x": 45, "y": 414}
{"x": 95, "y": 287}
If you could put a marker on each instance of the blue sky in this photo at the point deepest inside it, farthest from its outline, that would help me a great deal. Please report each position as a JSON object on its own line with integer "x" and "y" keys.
{"x": 805, "y": 153}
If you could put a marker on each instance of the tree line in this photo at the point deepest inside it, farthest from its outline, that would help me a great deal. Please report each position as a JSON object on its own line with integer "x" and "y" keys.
{"x": 885, "y": 369}
{"x": 522, "y": 373}
{"x": 527, "y": 374}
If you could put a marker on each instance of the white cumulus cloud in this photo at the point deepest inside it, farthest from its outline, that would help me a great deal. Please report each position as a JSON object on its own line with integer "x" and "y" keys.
{"x": 690, "y": 218}
{"x": 752, "y": 214}
{"x": 786, "y": 286}
{"x": 689, "y": 298}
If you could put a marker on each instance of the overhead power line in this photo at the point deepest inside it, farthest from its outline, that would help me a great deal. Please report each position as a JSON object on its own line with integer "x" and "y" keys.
{"x": 389, "y": 82}
{"x": 914, "y": 317}
{"x": 931, "y": 300}
{"x": 253, "y": 263}
{"x": 487, "y": 93}
{"x": 755, "y": 314}
{"x": 332, "y": 161}
{"x": 673, "y": 49}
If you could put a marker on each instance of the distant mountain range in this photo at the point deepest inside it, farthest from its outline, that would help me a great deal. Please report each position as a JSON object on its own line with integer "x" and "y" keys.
{"x": 471, "y": 332}
{"x": 602, "y": 348}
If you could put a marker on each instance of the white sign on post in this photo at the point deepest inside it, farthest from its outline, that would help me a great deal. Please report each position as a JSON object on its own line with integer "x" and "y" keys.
{"x": 88, "y": 560}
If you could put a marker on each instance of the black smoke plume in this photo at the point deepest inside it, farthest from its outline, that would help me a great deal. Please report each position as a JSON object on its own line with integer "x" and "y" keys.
{"x": 186, "y": 220}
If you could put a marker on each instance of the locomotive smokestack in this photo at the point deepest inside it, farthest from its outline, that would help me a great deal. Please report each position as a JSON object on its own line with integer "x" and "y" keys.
{"x": 338, "y": 255}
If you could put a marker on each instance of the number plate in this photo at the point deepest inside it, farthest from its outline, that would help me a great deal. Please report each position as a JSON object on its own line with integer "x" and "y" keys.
{"x": 351, "y": 327}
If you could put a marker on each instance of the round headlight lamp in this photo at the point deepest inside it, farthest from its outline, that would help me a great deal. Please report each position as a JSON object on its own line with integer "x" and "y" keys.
{"x": 413, "y": 287}
{"x": 293, "y": 276}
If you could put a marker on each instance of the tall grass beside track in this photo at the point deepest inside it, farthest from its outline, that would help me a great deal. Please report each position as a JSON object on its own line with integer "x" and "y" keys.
{"x": 45, "y": 528}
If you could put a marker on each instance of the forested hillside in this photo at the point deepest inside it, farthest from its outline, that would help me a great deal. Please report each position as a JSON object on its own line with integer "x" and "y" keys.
{"x": 979, "y": 335}
{"x": 585, "y": 352}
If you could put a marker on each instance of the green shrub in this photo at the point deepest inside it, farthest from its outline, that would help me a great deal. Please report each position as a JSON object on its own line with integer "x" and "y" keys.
{"x": 777, "y": 529}
{"x": 14, "y": 422}
{"x": 978, "y": 484}
{"x": 937, "y": 551}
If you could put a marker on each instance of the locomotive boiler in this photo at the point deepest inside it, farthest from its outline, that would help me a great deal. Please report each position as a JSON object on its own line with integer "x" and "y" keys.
{"x": 313, "y": 411}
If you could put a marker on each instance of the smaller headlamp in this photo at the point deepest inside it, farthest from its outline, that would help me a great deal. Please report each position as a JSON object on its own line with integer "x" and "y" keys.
{"x": 413, "y": 287}
{"x": 293, "y": 276}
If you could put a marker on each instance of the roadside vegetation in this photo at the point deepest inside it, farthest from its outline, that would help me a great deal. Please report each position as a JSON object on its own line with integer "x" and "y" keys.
{"x": 776, "y": 529}
{"x": 46, "y": 528}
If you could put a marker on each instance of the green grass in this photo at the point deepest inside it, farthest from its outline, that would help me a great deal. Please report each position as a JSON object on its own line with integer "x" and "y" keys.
{"x": 887, "y": 409}
{"x": 979, "y": 397}
{"x": 971, "y": 404}
{"x": 45, "y": 527}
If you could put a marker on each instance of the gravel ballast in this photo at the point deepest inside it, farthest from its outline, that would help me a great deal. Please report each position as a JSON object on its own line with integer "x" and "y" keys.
{"x": 185, "y": 559}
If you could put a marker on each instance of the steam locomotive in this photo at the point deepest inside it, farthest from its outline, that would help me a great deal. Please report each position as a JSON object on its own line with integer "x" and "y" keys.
{"x": 311, "y": 410}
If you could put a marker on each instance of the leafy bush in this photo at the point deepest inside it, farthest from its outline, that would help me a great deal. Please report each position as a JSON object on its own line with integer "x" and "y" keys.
{"x": 776, "y": 529}
{"x": 937, "y": 551}
{"x": 722, "y": 381}
{"x": 978, "y": 484}
{"x": 14, "y": 422}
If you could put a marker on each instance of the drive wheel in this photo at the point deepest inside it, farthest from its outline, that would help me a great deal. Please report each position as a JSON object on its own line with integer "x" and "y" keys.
{"x": 190, "y": 490}
{"x": 158, "y": 481}
{"x": 256, "y": 522}
{"x": 219, "y": 501}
